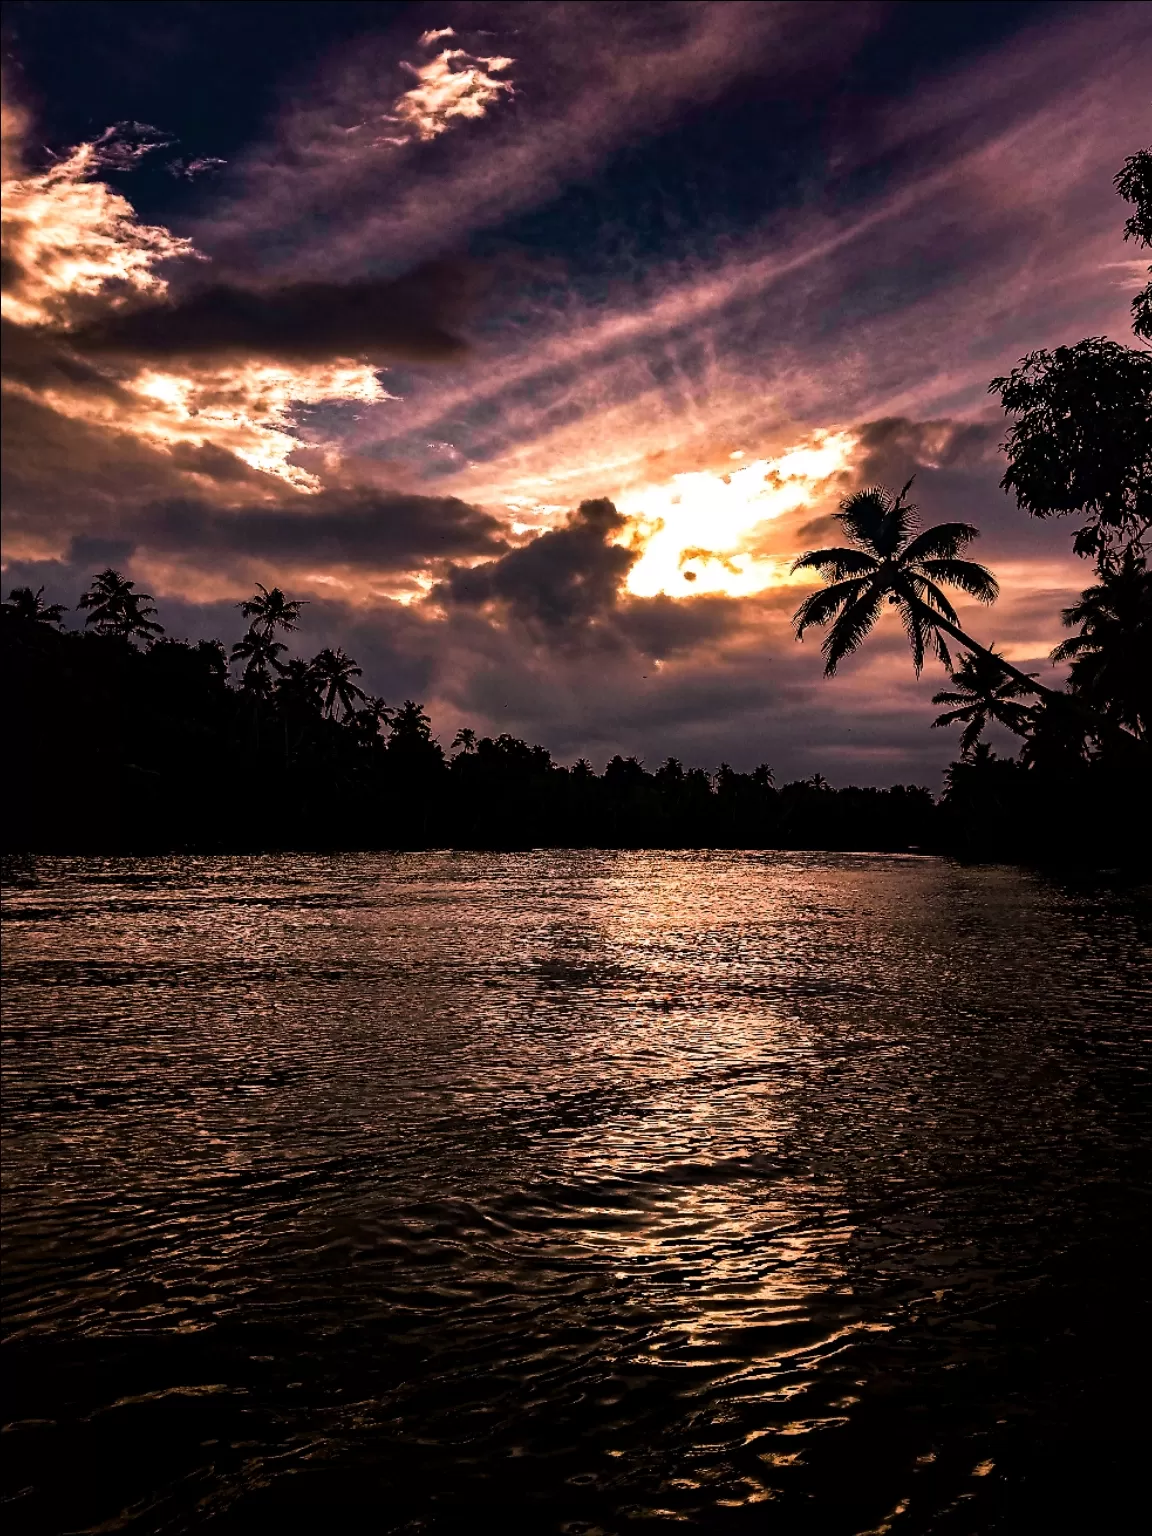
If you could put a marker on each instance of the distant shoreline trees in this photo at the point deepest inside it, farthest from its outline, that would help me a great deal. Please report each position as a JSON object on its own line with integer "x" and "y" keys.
{"x": 130, "y": 741}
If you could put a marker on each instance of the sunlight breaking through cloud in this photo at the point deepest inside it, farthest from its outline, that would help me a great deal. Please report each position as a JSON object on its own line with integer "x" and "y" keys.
{"x": 74, "y": 246}
{"x": 68, "y": 235}
{"x": 699, "y": 530}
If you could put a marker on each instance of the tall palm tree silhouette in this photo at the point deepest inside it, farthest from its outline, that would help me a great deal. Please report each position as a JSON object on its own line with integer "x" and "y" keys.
{"x": 269, "y": 610}
{"x": 1112, "y": 655}
{"x": 297, "y": 702}
{"x": 260, "y": 655}
{"x": 334, "y": 671}
{"x": 117, "y": 609}
{"x": 30, "y": 608}
{"x": 981, "y": 692}
{"x": 465, "y": 739}
{"x": 889, "y": 559}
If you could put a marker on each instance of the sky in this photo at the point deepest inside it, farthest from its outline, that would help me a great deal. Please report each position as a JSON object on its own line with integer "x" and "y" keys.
{"x": 530, "y": 343}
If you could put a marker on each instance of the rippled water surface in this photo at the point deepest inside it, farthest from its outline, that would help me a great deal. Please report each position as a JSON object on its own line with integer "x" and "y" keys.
{"x": 573, "y": 1192}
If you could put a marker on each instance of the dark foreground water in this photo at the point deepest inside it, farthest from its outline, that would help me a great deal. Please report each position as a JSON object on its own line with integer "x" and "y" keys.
{"x": 574, "y": 1192}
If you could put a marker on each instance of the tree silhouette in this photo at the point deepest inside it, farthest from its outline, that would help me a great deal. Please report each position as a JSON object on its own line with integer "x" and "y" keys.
{"x": 116, "y": 609}
{"x": 269, "y": 610}
{"x": 889, "y": 559}
{"x": 1112, "y": 655}
{"x": 260, "y": 655}
{"x": 465, "y": 739}
{"x": 1134, "y": 184}
{"x": 29, "y": 608}
{"x": 334, "y": 672}
{"x": 982, "y": 691}
{"x": 1081, "y": 441}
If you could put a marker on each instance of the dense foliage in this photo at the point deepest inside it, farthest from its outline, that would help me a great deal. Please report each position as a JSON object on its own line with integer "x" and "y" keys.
{"x": 1081, "y": 435}
{"x": 156, "y": 745}
{"x": 126, "y": 739}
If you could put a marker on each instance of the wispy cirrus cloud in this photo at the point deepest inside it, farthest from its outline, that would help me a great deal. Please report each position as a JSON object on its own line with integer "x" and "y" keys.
{"x": 327, "y": 185}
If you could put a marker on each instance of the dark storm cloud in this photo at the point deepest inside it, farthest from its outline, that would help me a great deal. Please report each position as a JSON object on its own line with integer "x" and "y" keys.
{"x": 307, "y": 322}
{"x": 569, "y": 577}
{"x": 374, "y": 530}
{"x": 898, "y": 445}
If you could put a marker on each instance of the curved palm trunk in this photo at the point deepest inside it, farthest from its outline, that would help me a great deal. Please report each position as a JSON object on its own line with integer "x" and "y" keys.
{"x": 1094, "y": 720}
{"x": 982, "y": 650}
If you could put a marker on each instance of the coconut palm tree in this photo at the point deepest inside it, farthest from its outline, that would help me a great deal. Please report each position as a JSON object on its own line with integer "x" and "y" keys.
{"x": 334, "y": 671}
{"x": 889, "y": 559}
{"x": 260, "y": 655}
{"x": 983, "y": 692}
{"x": 29, "y": 607}
{"x": 118, "y": 610}
{"x": 269, "y": 611}
{"x": 465, "y": 739}
{"x": 1112, "y": 655}
{"x": 297, "y": 702}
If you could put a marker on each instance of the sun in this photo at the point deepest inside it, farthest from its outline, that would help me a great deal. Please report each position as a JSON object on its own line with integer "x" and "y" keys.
{"x": 698, "y": 531}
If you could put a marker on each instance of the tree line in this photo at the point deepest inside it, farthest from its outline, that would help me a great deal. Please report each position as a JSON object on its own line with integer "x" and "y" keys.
{"x": 126, "y": 738}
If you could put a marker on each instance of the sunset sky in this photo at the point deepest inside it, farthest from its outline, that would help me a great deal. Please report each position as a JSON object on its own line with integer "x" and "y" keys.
{"x": 366, "y": 299}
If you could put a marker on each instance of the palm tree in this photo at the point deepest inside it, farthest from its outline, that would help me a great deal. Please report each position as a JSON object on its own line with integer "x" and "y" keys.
{"x": 983, "y": 692}
{"x": 1112, "y": 655}
{"x": 465, "y": 739}
{"x": 889, "y": 559}
{"x": 271, "y": 610}
{"x": 118, "y": 610}
{"x": 365, "y": 722}
{"x": 29, "y": 607}
{"x": 297, "y": 686}
{"x": 261, "y": 657}
{"x": 334, "y": 671}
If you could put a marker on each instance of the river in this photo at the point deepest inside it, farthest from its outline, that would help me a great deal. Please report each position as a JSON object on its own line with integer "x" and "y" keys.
{"x": 573, "y": 1192}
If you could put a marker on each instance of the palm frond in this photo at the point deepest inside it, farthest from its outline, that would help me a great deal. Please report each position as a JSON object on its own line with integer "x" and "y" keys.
{"x": 930, "y": 594}
{"x": 942, "y": 542}
{"x": 915, "y": 628}
{"x": 973, "y": 731}
{"x": 1075, "y": 646}
{"x": 950, "y": 716}
{"x": 851, "y": 627}
{"x": 971, "y": 577}
{"x": 824, "y": 604}
{"x": 836, "y": 562}
{"x": 924, "y": 635}
{"x": 877, "y": 520}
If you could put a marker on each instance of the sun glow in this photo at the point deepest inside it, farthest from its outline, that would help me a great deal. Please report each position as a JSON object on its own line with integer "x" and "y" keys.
{"x": 700, "y": 531}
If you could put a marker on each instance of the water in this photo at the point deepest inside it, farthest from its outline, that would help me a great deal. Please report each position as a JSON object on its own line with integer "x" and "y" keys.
{"x": 573, "y": 1192}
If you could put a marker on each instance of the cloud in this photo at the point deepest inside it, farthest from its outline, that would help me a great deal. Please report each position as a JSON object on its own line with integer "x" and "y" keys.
{"x": 298, "y": 323}
{"x": 71, "y": 241}
{"x": 215, "y": 436}
{"x": 453, "y": 84}
{"x": 376, "y": 531}
{"x": 94, "y": 335}
{"x": 901, "y": 300}
{"x": 895, "y": 444}
{"x": 328, "y": 185}
{"x": 563, "y": 580}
